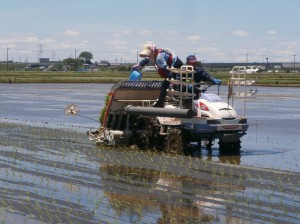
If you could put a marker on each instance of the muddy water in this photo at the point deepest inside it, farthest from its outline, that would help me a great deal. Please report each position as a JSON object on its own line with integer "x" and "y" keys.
{"x": 51, "y": 173}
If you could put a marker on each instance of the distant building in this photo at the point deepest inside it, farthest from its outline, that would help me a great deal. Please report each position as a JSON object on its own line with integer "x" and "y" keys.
{"x": 44, "y": 60}
{"x": 103, "y": 64}
{"x": 264, "y": 66}
{"x": 114, "y": 64}
{"x": 291, "y": 66}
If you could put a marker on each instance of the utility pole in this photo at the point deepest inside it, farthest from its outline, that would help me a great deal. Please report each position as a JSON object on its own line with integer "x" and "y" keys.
{"x": 294, "y": 63}
{"x": 7, "y": 59}
{"x": 40, "y": 52}
{"x": 53, "y": 56}
{"x": 75, "y": 64}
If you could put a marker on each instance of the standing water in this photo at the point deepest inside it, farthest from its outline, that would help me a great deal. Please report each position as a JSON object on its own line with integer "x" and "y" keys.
{"x": 52, "y": 173}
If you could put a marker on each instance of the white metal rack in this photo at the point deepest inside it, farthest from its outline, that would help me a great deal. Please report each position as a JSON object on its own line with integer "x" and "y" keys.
{"x": 186, "y": 73}
{"x": 239, "y": 74}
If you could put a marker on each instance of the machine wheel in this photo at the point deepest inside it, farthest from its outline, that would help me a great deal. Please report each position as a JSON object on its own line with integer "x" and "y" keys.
{"x": 208, "y": 143}
{"x": 178, "y": 141}
{"x": 229, "y": 148}
{"x": 174, "y": 142}
{"x": 151, "y": 137}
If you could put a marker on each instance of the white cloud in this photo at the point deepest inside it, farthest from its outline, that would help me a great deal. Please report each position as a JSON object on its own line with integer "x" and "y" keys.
{"x": 70, "y": 45}
{"x": 209, "y": 51}
{"x": 117, "y": 44}
{"x": 123, "y": 33}
{"x": 209, "y": 54}
{"x": 70, "y": 33}
{"x": 14, "y": 39}
{"x": 168, "y": 33}
{"x": 145, "y": 32}
{"x": 48, "y": 41}
{"x": 66, "y": 45}
{"x": 271, "y": 32}
{"x": 31, "y": 39}
{"x": 288, "y": 49}
{"x": 240, "y": 33}
{"x": 194, "y": 38}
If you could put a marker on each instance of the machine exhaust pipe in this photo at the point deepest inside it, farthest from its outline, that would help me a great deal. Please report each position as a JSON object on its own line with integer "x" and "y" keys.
{"x": 159, "y": 112}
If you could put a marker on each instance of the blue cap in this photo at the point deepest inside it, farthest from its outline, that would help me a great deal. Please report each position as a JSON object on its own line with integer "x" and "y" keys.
{"x": 191, "y": 59}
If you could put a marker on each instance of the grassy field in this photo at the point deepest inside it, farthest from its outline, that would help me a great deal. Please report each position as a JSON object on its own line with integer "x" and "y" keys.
{"x": 111, "y": 76}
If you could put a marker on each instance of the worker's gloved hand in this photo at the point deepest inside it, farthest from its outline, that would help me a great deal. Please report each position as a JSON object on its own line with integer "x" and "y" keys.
{"x": 136, "y": 67}
{"x": 217, "y": 81}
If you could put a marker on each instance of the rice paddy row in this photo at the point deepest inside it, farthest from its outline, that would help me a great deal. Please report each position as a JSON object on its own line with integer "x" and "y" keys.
{"x": 58, "y": 176}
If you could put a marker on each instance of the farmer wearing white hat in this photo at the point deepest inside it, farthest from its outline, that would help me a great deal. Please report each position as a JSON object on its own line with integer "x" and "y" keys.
{"x": 163, "y": 59}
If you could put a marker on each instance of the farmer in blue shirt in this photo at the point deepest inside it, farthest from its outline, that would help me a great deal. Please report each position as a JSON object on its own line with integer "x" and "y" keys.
{"x": 199, "y": 75}
{"x": 163, "y": 59}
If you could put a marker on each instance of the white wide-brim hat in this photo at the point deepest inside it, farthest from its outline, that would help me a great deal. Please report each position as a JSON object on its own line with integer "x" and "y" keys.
{"x": 148, "y": 50}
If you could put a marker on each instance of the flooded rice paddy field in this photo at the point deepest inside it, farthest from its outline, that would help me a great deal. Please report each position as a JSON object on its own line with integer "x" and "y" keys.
{"x": 51, "y": 173}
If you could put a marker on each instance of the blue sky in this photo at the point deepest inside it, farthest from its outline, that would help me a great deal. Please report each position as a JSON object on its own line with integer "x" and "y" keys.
{"x": 115, "y": 30}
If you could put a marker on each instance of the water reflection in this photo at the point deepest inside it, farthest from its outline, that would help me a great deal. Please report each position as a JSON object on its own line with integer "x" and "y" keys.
{"x": 53, "y": 176}
{"x": 175, "y": 190}
{"x": 145, "y": 191}
{"x": 223, "y": 156}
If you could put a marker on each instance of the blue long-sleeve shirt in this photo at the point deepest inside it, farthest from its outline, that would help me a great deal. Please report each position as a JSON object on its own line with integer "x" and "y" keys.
{"x": 163, "y": 60}
{"x": 160, "y": 60}
{"x": 201, "y": 75}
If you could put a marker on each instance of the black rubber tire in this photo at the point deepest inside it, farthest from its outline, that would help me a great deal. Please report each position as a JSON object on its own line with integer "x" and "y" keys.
{"x": 229, "y": 148}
